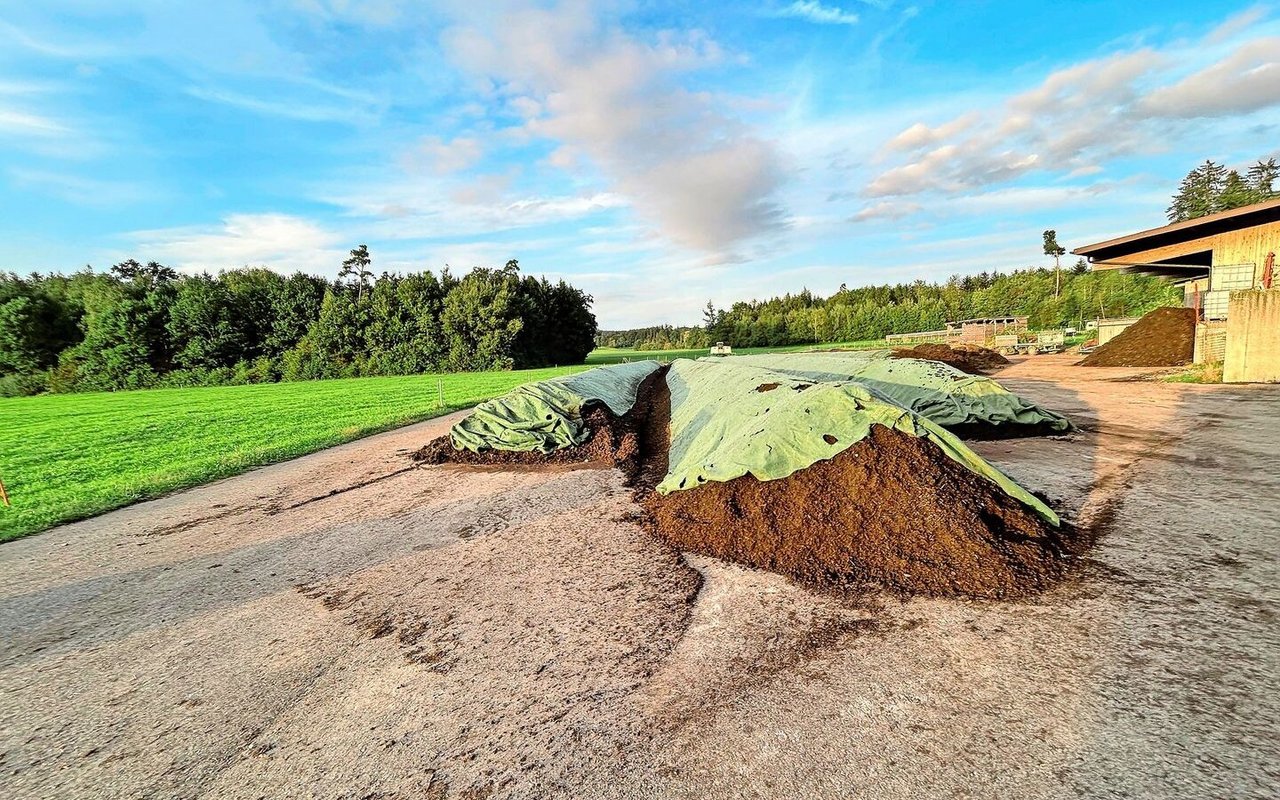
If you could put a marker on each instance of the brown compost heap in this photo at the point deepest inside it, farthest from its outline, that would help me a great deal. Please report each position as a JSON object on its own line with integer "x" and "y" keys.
{"x": 892, "y": 510}
{"x": 1165, "y": 337}
{"x": 971, "y": 358}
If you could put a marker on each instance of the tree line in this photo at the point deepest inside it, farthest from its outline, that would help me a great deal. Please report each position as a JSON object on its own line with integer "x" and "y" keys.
{"x": 1211, "y": 187}
{"x": 144, "y": 325}
{"x": 868, "y": 313}
{"x": 657, "y": 337}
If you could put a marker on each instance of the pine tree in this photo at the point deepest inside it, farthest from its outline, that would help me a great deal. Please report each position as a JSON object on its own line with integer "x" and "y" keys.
{"x": 356, "y": 267}
{"x": 1236, "y": 193}
{"x": 1262, "y": 177}
{"x": 1052, "y": 248}
{"x": 1200, "y": 192}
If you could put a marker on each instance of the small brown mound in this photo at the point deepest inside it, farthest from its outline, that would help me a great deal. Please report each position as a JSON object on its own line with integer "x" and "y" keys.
{"x": 971, "y": 358}
{"x": 615, "y": 441}
{"x": 1164, "y": 338}
{"x": 612, "y": 441}
{"x": 891, "y": 509}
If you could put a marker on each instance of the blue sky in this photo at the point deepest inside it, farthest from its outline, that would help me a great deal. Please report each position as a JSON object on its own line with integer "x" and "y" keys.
{"x": 658, "y": 154}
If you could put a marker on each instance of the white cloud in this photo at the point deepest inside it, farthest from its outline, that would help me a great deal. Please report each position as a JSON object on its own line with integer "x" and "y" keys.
{"x": 1070, "y": 121}
{"x": 614, "y": 101}
{"x": 1245, "y": 81}
{"x": 21, "y": 123}
{"x": 887, "y": 210}
{"x": 813, "y": 11}
{"x": 920, "y": 135}
{"x": 281, "y": 241}
{"x": 443, "y": 157}
{"x": 1084, "y": 116}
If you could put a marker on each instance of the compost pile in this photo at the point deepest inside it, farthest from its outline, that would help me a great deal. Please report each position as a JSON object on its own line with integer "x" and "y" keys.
{"x": 808, "y": 473}
{"x": 593, "y": 417}
{"x": 971, "y": 358}
{"x": 1165, "y": 337}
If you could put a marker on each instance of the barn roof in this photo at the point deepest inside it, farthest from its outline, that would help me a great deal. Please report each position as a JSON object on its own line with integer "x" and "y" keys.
{"x": 1178, "y": 232}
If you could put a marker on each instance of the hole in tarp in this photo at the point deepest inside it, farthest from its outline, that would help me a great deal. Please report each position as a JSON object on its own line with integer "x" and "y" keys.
{"x": 800, "y": 387}
{"x": 767, "y": 387}
{"x": 548, "y": 416}
{"x": 829, "y": 439}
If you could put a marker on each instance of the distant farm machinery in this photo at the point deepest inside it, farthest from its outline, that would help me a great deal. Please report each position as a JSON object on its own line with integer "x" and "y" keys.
{"x": 1030, "y": 344}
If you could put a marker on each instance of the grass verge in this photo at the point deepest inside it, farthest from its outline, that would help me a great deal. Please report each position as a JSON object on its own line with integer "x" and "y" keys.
{"x": 1197, "y": 373}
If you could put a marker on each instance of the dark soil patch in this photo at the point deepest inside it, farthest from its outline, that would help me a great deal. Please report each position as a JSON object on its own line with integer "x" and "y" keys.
{"x": 891, "y": 509}
{"x": 615, "y": 441}
{"x": 1164, "y": 338}
{"x": 971, "y": 358}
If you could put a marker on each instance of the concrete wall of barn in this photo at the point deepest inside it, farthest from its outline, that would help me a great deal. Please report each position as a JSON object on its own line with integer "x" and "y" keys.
{"x": 1253, "y": 338}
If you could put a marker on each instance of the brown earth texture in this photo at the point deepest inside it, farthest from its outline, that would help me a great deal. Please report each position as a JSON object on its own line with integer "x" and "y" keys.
{"x": 891, "y": 510}
{"x": 971, "y": 358}
{"x": 1165, "y": 337}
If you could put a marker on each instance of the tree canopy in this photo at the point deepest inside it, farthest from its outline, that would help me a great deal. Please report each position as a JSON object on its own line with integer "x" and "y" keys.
{"x": 1211, "y": 187}
{"x": 140, "y": 326}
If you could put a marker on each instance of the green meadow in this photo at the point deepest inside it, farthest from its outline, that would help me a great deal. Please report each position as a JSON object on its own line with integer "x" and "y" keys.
{"x": 65, "y": 457}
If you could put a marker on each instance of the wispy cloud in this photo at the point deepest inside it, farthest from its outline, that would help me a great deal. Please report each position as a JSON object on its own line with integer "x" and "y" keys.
{"x": 21, "y": 123}
{"x": 282, "y": 241}
{"x": 815, "y": 12}
{"x": 77, "y": 189}
{"x": 614, "y": 101}
{"x": 1085, "y": 116}
{"x": 288, "y": 109}
{"x": 1245, "y": 81}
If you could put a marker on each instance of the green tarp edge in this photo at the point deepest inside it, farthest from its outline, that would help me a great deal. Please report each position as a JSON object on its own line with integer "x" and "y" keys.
{"x": 545, "y": 416}
{"x": 936, "y": 391}
{"x": 724, "y": 427}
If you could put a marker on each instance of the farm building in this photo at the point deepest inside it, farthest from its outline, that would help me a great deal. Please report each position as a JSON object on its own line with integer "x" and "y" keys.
{"x": 972, "y": 331}
{"x": 1211, "y": 257}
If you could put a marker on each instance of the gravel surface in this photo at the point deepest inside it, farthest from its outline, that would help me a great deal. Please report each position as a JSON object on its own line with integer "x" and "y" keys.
{"x": 346, "y": 626}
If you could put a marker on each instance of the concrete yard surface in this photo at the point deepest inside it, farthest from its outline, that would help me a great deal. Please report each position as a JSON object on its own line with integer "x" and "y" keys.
{"x": 346, "y": 625}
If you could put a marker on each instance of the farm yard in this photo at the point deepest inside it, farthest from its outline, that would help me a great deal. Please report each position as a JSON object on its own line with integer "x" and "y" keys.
{"x": 639, "y": 401}
{"x": 468, "y": 629}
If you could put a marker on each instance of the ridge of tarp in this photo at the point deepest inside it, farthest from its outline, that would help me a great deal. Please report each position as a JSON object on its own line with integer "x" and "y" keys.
{"x": 545, "y": 416}
{"x": 939, "y": 392}
{"x": 730, "y": 419}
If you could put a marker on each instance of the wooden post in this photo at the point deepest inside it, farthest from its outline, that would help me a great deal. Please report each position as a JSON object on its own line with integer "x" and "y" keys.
{"x": 440, "y": 388}
{"x": 4, "y": 495}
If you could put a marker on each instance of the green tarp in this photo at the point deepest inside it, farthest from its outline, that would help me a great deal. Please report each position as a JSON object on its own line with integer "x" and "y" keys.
{"x": 936, "y": 391}
{"x": 730, "y": 418}
{"x": 547, "y": 415}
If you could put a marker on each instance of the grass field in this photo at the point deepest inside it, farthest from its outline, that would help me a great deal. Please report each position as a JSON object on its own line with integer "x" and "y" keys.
{"x": 70, "y": 456}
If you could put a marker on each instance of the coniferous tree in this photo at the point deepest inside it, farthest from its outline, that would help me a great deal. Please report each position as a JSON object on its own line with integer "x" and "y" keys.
{"x": 1262, "y": 177}
{"x": 1200, "y": 192}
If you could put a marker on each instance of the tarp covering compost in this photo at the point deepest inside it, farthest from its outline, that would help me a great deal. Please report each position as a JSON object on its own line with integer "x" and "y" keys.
{"x": 730, "y": 418}
{"x": 936, "y": 391}
{"x": 544, "y": 416}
